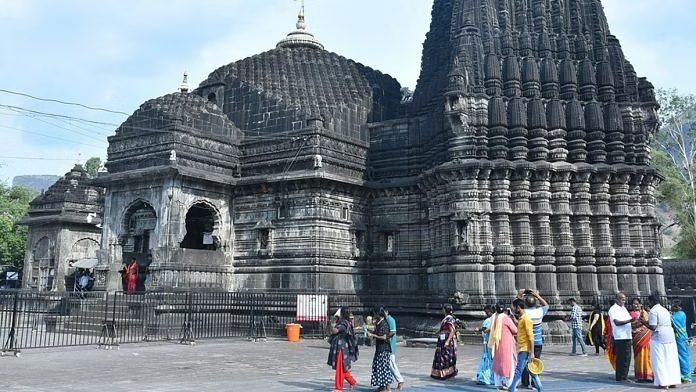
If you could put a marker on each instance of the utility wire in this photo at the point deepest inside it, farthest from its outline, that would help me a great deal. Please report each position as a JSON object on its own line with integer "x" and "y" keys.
{"x": 63, "y": 102}
{"x": 37, "y": 158}
{"x": 33, "y": 117}
{"x": 11, "y": 107}
{"x": 49, "y": 136}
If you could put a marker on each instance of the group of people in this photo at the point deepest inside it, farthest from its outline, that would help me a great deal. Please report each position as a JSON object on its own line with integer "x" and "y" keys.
{"x": 656, "y": 339}
{"x": 344, "y": 350}
{"x": 512, "y": 339}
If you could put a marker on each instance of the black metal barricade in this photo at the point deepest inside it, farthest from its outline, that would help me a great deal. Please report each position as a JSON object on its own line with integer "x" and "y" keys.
{"x": 31, "y": 319}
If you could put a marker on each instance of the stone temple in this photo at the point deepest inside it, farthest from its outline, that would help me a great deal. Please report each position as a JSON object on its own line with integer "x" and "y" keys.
{"x": 521, "y": 159}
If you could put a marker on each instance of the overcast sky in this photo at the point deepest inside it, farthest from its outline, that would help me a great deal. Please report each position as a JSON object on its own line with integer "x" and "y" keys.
{"x": 123, "y": 52}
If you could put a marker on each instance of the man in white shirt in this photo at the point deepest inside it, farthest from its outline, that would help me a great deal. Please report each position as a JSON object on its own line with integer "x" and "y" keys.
{"x": 621, "y": 333}
{"x": 664, "y": 354}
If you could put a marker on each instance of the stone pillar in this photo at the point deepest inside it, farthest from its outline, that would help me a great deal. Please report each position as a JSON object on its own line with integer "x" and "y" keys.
{"x": 502, "y": 245}
{"x": 621, "y": 234}
{"x": 524, "y": 250}
{"x": 541, "y": 234}
{"x": 485, "y": 235}
{"x": 566, "y": 275}
{"x": 651, "y": 226}
{"x": 601, "y": 233}
{"x": 465, "y": 206}
{"x": 636, "y": 228}
{"x": 580, "y": 222}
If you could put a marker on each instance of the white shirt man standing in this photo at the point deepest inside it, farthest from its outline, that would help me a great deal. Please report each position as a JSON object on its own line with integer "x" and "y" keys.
{"x": 621, "y": 333}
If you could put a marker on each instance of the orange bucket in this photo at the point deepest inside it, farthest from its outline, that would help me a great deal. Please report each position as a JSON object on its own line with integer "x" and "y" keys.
{"x": 293, "y": 331}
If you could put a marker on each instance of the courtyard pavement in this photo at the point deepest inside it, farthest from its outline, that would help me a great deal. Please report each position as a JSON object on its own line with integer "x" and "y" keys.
{"x": 275, "y": 365}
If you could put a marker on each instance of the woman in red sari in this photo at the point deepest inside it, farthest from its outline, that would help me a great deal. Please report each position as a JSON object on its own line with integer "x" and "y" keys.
{"x": 132, "y": 275}
{"x": 641, "y": 344}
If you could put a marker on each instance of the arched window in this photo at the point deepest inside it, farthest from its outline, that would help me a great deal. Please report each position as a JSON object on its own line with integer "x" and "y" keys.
{"x": 200, "y": 227}
{"x": 212, "y": 98}
{"x": 43, "y": 272}
{"x": 138, "y": 228}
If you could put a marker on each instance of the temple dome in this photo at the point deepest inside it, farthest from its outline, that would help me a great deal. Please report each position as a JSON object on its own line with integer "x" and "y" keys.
{"x": 185, "y": 111}
{"x": 181, "y": 129}
{"x": 279, "y": 90}
{"x": 73, "y": 198}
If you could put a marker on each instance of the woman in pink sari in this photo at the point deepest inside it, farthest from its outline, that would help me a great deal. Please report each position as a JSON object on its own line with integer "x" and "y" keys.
{"x": 502, "y": 344}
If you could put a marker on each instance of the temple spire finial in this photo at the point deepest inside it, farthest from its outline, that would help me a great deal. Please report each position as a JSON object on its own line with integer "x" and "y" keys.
{"x": 184, "y": 87}
{"x": 300, "y": 37}
{"x": 300, "y": 17}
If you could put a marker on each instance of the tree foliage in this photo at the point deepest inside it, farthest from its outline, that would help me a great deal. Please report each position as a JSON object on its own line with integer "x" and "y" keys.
{"x": 14, "y": 203}
{"x": 674, "y": 154}
{"x": 92, "y": 166}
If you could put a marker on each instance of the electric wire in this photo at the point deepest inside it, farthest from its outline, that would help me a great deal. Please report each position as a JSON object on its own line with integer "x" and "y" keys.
{"x": 63, "y": 102}
{"x": 48, "y": 136}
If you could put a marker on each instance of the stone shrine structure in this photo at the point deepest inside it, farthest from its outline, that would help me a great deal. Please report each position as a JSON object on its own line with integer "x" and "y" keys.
{"x": 521, "y": 160}
{"x": 64, "y": 226}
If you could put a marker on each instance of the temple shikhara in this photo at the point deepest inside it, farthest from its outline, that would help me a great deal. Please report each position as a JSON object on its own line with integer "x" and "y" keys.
{"x": 521, "y": 160}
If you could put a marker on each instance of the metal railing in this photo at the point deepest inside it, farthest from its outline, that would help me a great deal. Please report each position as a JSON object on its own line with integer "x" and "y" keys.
{"x": 38, "y": 320}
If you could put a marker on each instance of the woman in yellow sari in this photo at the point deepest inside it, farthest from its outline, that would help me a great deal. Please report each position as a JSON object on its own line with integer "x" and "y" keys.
{"x": 641, "y": 343}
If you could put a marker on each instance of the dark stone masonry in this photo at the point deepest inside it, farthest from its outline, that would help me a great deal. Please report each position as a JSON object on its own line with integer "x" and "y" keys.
{"x": 521, "y": 159}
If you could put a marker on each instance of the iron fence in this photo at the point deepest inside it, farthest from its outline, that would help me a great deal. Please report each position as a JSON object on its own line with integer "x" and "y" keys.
{"x": 39, "y": 320}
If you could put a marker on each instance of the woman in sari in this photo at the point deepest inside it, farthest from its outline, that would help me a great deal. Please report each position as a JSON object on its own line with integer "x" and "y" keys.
{"x": 382, "y": 375}
{"x": 641, "y": 343}
{"x": 596, "y": 330}
{"x": 484, "y": 373}
{"x": 445, "y": 361}
{"x": 679, "y": 324}
{"x": 343, "y": 351}
{"x": 132, "y": 275}
{"x": 501, "y": 340}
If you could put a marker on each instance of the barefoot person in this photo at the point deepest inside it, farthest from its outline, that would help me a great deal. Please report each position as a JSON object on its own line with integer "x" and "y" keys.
{"x": 641, "y": 343}
{"x": 445, "y": 361}
{"x": 525, "y": 347}
{"x": 502, "y": 344}
{"x": 382, "y": 375}
{"x": 484, "y": 373}
{"x": 663, "y": 347}
{"x": 679, "y": 323}
{"x": 392, "y": 344}
{"x": 344, "y": 350}
{"x": 576, "y": 326}
{"x": 619, "y": 338}
{"x": 536, "y": 308}
{"x": 596, "y": 328}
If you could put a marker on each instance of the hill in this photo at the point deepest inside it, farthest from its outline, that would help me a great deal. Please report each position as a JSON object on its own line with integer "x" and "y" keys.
{"x": 37, "y": 183}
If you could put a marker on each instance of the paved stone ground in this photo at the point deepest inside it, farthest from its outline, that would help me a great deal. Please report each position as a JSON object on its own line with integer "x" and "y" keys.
{"x": 238, "y": 365}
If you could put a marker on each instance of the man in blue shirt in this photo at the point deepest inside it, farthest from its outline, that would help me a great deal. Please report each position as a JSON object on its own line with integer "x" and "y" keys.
{"x": 536, "y": 307}
{"x": 392, "y": 342}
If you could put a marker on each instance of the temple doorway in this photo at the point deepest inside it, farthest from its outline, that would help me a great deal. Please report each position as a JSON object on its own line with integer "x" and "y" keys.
{"x": 138, "y": 237}
{"x": 200, "y": 228}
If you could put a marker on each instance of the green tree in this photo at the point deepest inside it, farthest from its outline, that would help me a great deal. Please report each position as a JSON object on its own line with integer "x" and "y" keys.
{"x": 674, "y": 154}
{"x": 92, "y": 166}
{"x": 14, "y": 203}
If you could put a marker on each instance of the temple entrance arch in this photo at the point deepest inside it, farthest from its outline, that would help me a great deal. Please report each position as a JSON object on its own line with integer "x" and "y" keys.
{"x": 202, "y": 227}
{"x": 138, "y": 231}
{"x": 43, "y": 266}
